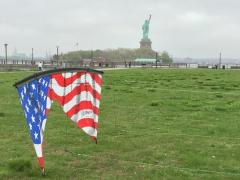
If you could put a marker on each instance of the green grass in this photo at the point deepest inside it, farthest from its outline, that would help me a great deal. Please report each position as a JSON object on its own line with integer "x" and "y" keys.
{"x": 154, "y": 124}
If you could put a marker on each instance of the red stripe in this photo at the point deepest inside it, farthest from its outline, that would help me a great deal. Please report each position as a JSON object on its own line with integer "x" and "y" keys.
{"x": 97, "y": 78}
{"x": 68, "y": 81}
{"x": 87, "y": 122}
{"x": 47, "y": 111}
{"x": 94, "y": 138}
{"x": 51, "y": 94}
{"x": 76, "y": 91}
{"x": 41, "y": 162}
{"x": 81, "y": 106}
{"x": 41, "y": 159}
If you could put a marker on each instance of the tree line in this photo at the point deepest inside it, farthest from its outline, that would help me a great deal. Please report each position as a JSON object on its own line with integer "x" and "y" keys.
{"x": 114, "y": 55}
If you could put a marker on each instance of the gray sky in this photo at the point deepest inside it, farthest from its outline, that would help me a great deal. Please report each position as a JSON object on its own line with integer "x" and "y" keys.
{"x": 185, "y": 28}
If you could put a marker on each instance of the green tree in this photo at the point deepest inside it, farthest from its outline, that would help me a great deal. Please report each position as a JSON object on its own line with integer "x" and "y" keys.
{"x": 166, "y": 59}
{"x": 120, "y": 54}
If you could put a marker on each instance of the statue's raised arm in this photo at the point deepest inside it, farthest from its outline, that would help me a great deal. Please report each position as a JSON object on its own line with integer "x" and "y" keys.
{"x": 145, "y": 28}
{"x": 150, "y": 16}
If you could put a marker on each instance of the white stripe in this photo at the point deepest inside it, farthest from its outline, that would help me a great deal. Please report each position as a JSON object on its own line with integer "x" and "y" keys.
{"x": 38, "y": 149}
{"x": 68, "y": 74}
{"x": 86, "y": 113}
{"x": 100, "y": 76}
{"x": 83, "y": 96}
{"x": 49, "y": 103}
{"x": 61, "y": 91}
{"x": 90, "y": 131}
{"x": 43, "y": 128}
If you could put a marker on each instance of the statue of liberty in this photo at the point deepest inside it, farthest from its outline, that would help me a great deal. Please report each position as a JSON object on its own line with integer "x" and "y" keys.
{"x": 145, "y": 28}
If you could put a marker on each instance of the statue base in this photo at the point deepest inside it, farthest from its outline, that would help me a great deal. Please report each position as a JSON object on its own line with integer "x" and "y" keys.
{"x": 146, "y": 44}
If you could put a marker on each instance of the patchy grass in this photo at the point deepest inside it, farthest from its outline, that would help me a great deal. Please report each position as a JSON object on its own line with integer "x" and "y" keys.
{"x": 154, "y": 124}
{"x": 154, "y": 104}
{"x": 20, "y": 165}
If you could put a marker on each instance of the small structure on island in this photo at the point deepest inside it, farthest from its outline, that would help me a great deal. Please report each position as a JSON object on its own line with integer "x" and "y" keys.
{"x": 145, "y": 61}
{"x": 145, "y": 42}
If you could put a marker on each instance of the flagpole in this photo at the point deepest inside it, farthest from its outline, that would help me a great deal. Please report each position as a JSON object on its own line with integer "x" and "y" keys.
{"x": 43, "y": 171}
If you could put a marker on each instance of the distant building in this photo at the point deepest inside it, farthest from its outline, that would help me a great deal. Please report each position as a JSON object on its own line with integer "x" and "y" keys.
{"x": 143, "y": 61}
{"x": 18, "y": 56}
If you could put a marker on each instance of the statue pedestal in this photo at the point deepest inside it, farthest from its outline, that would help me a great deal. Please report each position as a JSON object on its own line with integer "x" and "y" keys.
{"x": 146, "y": 44}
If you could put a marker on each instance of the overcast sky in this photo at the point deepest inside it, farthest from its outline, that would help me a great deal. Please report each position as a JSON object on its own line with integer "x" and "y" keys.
{"x": 185, "y": 28}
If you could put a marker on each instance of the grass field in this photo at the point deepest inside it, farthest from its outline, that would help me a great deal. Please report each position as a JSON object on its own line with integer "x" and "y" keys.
{"x": 154, "y": 124}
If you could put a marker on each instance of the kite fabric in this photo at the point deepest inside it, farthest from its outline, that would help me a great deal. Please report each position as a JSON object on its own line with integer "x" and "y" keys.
{"x": 78, "y": 93}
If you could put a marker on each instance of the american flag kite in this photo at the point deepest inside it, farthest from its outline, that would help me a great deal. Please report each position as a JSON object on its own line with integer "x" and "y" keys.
{"x": 77, "y": 90}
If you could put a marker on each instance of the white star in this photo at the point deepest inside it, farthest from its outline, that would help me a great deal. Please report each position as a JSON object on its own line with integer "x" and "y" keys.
{"x": 29, "y": 102}
{"x": 27, "y": 108}
{"x": 30, "y": 126}
{"x": 33, "y": 119}
{"x": 36, "y": 135}
{"x": 35, "y": 110}
{"x": 45, "y": 98}
{"x": 22, "y": 95}
{"x": 33, "y": 86}
{"x": 46, "y": 84}
{"x": 43, "y": 81}
{"x": 25, "y": 90}
{"x": 38, "y": 126}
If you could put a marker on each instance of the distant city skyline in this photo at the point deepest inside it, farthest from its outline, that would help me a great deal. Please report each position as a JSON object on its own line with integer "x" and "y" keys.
{"x": 187, "y": 28}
